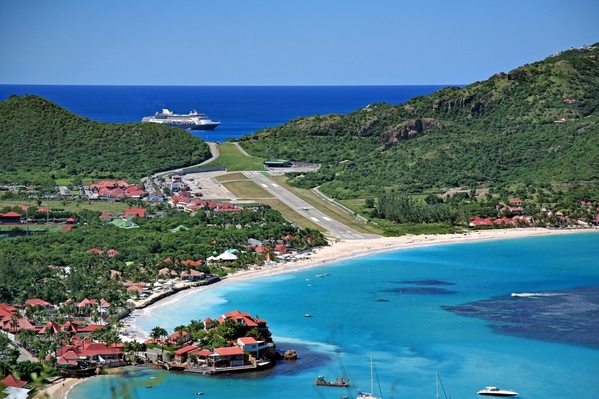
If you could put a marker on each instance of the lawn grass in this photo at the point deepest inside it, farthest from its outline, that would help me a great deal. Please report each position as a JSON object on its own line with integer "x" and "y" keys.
{"x": 231, "y": 176}
{"x": 64, "y": 182}
{"x": 50, "y": 228}
{"x": 328, "y": 209}
{"x": 72, "y": 205}
{"x": 233, "y": 160}
{"x": 247, "y": 190}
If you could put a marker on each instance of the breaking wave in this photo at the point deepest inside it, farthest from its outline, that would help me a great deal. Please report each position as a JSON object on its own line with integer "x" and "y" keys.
{"x": 536, "y": 294}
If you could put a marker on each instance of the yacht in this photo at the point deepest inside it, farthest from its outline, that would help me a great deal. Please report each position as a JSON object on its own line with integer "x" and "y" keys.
{"x": 494, "y": 391}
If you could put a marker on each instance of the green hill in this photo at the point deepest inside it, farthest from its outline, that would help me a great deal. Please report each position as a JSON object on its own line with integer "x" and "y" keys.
{"x": 501, "y": 130}
{"x": 40, "y": 140}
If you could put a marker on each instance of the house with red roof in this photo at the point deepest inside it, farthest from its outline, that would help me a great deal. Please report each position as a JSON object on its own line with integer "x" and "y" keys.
{"x": 11, "y": 381}
{"x": 178, "y": 338}
{"x": 194, "y": 263}
{"x": 208, "y": 323}
{"x": 12, "y": 325}
{"x": 247, "y": 320}
{"x": 182, "y": 354}
{"x": 6, "y": 310}
{"x": 106, "y": 217}
{"x": 94, "y": 351}
{"x": 192, "y": 275}
{"x": 50, "y": 328}
{"x": 166, "y": 272}
{"x": 478, "y": 221}
{"x": 47, "y": 306}
{"x": 10, "y": 218}
{"x": 135, "y": 212}
{"x": 227, "y": 357}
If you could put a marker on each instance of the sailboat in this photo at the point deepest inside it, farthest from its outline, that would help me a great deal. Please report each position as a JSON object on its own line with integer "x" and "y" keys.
{"x": 437, "y": 385}
{"x": 370, "y": 395}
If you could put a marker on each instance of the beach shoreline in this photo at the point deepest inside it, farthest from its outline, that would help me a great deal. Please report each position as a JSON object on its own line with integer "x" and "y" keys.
{"x": 343, "y": 250}
{"x": 59, "y": 390}
{"x": 335, "y": 252}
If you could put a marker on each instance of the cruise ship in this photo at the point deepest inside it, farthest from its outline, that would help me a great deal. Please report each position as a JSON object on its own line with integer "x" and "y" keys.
{"x": 191, "y": 121}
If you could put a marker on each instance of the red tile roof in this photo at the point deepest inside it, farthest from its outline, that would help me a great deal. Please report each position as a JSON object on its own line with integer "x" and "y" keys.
{"x": 234, "y": 350}
{"x": 12, "y": 382}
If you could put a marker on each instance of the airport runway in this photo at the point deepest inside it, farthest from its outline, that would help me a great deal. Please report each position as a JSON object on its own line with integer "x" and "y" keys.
{"x": 305, "y": 209}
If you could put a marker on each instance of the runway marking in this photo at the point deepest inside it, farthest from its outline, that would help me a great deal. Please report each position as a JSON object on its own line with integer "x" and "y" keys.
{"x": 313, "y": 218}
{"x": 327, "y": 219}
{"x": 263, "y": 185}
{"x": 274, "y": 185}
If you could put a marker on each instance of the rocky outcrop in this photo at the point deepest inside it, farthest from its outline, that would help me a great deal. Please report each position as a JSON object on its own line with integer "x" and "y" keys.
{"x": 407, "y": 130}
{"x": 290, "y": 354}
{"x": 459, "y": 102}
{"x": 519, "y": 74}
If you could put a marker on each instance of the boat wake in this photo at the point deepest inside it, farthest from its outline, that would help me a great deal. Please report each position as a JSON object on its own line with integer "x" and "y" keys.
{"x": 536, "y": 294}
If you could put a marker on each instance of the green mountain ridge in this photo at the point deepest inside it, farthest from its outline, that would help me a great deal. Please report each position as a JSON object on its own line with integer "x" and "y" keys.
{"x": 40, "y": 139}
{"x": 500, "y": 130}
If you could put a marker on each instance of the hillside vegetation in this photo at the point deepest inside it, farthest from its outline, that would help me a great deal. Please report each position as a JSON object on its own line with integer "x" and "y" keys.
{"x": 42, "y": 141}
{"x": 500, "y": 131}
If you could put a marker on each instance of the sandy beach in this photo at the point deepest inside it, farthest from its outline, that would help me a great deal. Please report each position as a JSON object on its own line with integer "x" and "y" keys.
{"x": 347, "y": 249}
{"x": 58, "y": 390}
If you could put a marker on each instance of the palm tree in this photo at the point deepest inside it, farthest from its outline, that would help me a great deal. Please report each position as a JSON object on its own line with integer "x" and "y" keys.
{"x": 68, "y": 309}
{"x": 26, "y": 337}
{"x": 14, "y": 322}
{"x": 157, "y": 333}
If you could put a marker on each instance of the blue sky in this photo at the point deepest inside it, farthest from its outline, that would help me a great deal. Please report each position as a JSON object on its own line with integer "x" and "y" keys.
{"x": 283, "y": 42}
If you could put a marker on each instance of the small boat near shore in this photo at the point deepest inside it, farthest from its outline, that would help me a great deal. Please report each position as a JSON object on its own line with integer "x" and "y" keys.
{"x": 494, "y": 391}
{"x": 339, "y": 382}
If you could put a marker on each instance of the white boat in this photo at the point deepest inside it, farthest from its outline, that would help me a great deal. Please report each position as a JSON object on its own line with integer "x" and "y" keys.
{"x": 494, "y": 391}
{"x": 370, "y": 395}
{"x": 191, "y": 121}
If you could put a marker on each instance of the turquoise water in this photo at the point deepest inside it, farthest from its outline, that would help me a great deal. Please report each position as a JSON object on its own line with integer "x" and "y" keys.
{"x": 407, "y": 309}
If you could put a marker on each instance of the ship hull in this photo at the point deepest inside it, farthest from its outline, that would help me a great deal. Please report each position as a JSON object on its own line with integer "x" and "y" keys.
{"x": 186, "y": 126}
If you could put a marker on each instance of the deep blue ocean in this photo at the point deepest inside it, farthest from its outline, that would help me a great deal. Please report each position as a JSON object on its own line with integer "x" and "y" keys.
{"x": 240, "y": 109}
{"x": 519, "y": 314}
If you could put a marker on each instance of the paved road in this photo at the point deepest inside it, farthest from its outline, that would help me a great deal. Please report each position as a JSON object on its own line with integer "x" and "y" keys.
{"x": 306, "y": 210}
{"x": 150, "y": 182}
{"x": 241, "y": 150}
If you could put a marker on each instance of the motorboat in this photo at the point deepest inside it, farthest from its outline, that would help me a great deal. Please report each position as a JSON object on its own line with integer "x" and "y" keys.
{"x": 494, "y": 391}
